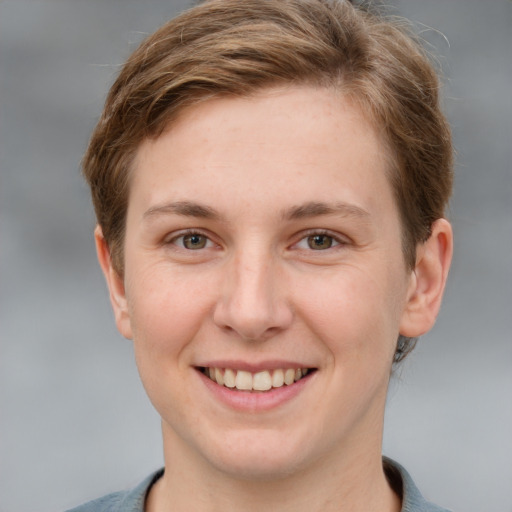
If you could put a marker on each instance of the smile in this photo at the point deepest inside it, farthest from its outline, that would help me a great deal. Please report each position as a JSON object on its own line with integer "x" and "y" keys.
{"x": 259, "y": 381}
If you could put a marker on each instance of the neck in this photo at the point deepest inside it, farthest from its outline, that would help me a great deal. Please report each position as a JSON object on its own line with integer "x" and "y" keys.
{"x": 352, "y": 482}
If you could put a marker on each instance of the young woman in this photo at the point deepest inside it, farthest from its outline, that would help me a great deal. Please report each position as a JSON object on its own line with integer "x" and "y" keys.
{"x": 270, "y": 179}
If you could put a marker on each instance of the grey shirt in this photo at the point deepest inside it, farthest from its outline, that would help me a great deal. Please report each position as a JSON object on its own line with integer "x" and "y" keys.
{"x": 133, "y": 500}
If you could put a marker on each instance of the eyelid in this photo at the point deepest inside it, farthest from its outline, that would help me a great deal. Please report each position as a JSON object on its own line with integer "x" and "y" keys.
{"x": 340, "y": 240}
{"x": 172, "y": 238}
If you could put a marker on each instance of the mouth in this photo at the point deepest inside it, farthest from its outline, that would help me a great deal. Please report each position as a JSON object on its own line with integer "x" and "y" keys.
{"x": 261, "y": 381}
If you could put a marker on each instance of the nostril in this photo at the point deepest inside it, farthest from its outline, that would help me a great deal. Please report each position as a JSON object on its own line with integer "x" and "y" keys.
{"x": 251, "y": 303}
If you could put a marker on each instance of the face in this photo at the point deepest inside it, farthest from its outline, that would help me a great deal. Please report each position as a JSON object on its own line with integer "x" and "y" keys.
{"x": 264, "y": 285}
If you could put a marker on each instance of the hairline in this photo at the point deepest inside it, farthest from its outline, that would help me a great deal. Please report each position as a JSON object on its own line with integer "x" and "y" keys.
{"x": 325, "y": 82}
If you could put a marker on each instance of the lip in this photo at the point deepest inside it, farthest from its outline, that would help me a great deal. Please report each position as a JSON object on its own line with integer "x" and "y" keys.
{"x": 274, "y": 364}
{"x": 255, "y": 401}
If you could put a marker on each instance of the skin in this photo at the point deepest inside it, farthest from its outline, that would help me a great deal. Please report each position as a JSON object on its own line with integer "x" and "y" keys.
{"x": 246, "y": 177}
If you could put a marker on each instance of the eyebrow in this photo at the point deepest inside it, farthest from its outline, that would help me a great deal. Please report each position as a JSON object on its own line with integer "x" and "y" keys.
{"x": 184, "y": 208}
{"x": 303, "y": 211}
{"x": 315, "y": 209}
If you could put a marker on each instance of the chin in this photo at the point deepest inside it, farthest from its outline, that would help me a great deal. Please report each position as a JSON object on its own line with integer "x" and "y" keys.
{"x": 258, "y": 469}
{"x": 258, "y": 457}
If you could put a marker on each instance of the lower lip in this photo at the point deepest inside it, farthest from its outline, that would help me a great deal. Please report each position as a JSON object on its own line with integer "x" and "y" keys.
{"x": 255, "y": 401}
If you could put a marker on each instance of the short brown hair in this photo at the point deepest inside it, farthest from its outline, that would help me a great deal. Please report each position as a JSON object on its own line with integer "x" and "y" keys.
{"x": 238, "y": 47}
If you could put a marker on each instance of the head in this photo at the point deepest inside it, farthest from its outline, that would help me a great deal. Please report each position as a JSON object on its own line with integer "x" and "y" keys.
{"x": 269, "y": 179}
{"x": 232, "y": 48}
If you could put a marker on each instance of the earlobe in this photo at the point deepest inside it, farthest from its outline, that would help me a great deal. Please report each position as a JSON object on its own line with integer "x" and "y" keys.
{"x": 115, "y": 285}
{"x": 428, "y": 281}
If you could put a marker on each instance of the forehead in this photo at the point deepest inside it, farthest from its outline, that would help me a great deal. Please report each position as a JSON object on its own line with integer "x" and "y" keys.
{"x": 287, "y": 145}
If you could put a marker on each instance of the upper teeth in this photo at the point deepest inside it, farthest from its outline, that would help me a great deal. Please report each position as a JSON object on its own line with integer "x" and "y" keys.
{"x": 259, "y": 381}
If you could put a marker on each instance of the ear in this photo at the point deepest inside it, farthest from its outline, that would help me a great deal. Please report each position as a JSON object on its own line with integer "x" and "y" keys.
{"x": 115, "y": 285}
{"x": 428, "y": 280}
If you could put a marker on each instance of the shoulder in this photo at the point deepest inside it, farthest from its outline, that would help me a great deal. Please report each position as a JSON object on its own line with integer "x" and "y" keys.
{"x": 123, "y": 501}
{"x": 403, "y": 484}
{"x": 108, "y": 503}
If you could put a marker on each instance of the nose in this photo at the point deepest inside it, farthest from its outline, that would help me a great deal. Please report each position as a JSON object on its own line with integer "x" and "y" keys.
{"x": 253, "y": 299}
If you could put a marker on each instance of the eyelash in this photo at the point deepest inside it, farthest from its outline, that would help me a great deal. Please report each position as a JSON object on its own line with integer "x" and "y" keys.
{"x": 336, "y": 240}
{"x": 189, "y": 233}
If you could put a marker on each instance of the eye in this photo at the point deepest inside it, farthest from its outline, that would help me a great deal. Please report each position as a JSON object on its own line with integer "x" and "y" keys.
{"x": 192, "y": 241}
{"x": 319, "y": 241}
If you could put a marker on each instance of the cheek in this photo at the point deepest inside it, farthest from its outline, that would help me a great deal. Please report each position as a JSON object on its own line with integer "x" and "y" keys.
{"x": 357, "y": 313}
{"x": 166, "y": 308}
{"x": 166, "y": 311}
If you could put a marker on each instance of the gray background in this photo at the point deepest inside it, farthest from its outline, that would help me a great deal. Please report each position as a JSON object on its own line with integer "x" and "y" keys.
{"x": 74, "y": 420}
